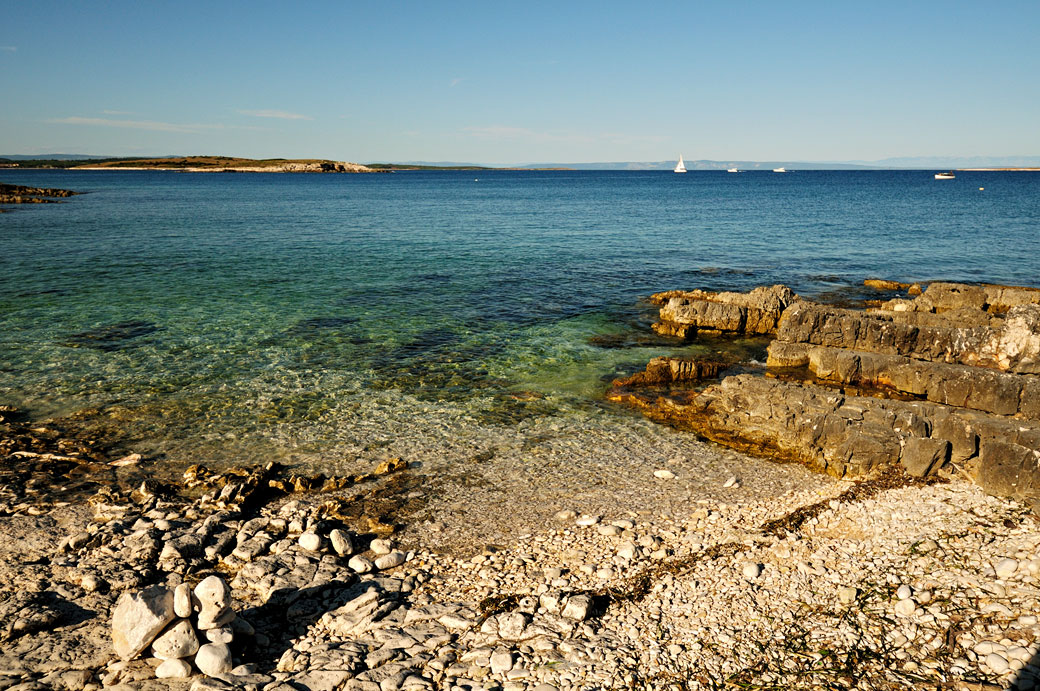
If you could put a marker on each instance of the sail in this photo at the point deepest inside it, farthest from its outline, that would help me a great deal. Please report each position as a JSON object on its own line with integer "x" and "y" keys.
{"x": 680, "y": 167}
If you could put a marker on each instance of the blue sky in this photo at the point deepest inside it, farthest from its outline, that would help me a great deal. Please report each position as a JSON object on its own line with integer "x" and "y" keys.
{"x": 503, "y": 82}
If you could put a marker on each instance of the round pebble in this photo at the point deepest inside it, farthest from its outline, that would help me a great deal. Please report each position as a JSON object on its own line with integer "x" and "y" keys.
{"x": 310, "y": 541}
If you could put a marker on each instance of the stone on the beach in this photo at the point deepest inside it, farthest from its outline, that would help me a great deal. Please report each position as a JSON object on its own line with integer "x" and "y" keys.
{"x": 587, "y": 520}
{"x": 391, "y": 560}
{"x": 577, "y": 608}
{"x": 138, "y": 618}
{"x": 214, "y": 659}
{"x": 174, "y": 668}
{"x": 341, "y": 542}
{"x": 565, "y": 516}
{"x": 182, "y": 600}
{"x": 224, "y": 634}
{"x": 511, "y": 625}
{"x": 380, "y": 546}
{"x": 628, "y": 550}
{"x": 905, "y": 608}
{"x": 609, "y": 530}
{"x": 997, "y": 663}
{"x": 847, "y": 595}
{"x": 751, "y": 570}
{"x": 731, "y": 481}
{"x": 310, "y": 541}
{"x": 214, "y": 598}
{"x": 664, "y": 474}
{"x": 360, "y": 564}
{"x": 175, "y": 642}
{"x": 904, "y": 591}
{"x": 1005, "y": 568}
{"x": 501, "y": 661}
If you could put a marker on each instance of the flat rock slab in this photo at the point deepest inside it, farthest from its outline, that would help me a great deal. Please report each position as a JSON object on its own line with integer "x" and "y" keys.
{"x": 849, "y": 436}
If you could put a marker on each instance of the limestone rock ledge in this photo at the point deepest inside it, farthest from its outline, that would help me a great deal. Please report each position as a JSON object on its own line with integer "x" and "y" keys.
{"x": 941, "y": 384}
{"x": 684, "y": 313}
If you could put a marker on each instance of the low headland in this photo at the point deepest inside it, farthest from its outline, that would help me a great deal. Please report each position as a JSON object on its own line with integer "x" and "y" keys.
{"x": 911, "y": 560}
{"x": 226, "y": 164}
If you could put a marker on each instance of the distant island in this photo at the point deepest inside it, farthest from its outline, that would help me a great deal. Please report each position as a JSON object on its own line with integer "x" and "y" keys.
{"x": 225, "y": 164}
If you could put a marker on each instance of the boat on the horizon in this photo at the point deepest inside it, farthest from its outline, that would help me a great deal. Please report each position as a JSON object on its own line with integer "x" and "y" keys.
{"x": 779, "y": 170}
{"x": 732, "y": 170}
{"x": 945, "y": 176}
{"x": 680, "y": 167}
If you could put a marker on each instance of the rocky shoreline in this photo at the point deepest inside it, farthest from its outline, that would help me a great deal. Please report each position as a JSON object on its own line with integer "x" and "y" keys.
{"x": 896, "y": 575}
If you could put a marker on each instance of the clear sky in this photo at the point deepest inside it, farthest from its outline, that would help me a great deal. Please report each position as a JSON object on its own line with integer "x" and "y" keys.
{"x": 514, "y": 82}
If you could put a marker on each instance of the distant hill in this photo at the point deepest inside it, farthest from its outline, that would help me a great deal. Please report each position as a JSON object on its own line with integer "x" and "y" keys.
{"x": 50, "y": 157}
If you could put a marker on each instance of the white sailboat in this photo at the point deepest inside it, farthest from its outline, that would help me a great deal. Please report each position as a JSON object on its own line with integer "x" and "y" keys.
{"x": 680, "y": 167}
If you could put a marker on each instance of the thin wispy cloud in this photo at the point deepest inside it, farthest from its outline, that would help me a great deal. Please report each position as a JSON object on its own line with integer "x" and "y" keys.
{"x": 8, "y": 49}
{"x": 151, "y": 125}
{"x": 455, "y": 82}
{"x": 279, "y": 114}
{"x": 117, "y": 112}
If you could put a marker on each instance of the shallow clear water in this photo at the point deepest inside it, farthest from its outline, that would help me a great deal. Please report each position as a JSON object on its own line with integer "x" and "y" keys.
{"x": 313, "y": 318}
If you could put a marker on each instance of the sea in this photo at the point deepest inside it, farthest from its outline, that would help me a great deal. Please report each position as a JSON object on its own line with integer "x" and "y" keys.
{"x": 326, "y": 320}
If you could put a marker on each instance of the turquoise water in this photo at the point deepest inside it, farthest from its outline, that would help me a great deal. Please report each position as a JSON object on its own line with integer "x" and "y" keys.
{"x": 312, "y": 317}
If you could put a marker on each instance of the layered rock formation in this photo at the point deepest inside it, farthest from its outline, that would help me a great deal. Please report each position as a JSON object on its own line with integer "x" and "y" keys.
{"x": 942, "y": 383}
{"x": 686, "y": 313}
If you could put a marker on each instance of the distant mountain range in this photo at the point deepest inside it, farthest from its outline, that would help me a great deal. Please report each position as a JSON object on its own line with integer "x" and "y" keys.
{"x": 911, "y": 162}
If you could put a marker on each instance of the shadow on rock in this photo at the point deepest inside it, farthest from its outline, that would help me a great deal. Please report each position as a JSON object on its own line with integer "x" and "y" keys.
{"x": 288, "y": 614}
{"x": 25, "y": 613}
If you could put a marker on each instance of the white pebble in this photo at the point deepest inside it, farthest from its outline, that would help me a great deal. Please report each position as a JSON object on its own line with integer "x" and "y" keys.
{"x": 587, "y": 520}
{"x": 906, "y": 608}
{"x": 213, "y": 659}
{"x": 997, "y": 663}
{"x": 751, "y": 570}
{"x": 732, "y": 481}
{"x": 173, "y": 669}
{"x": 664, "y": 474}
{"x": 380, "y": 546}
{"x": 904, "y": 592}
{"x": 389, "y": 561}
{"x": 310, "y": 541}
{"x": 1005, "y": 567}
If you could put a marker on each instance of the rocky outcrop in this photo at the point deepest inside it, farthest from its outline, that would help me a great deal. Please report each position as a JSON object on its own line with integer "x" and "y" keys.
{"x": 686, "y": 313}
{"x": 850, "y": 436}
{"x": 1008, "y": 344}
{"x": 19, "y": 194}
{"x": 665, "y": 370}
{"x": 976, "y": 388}
{"x": 946, "y": 382}
{"x": 945, "y": 297}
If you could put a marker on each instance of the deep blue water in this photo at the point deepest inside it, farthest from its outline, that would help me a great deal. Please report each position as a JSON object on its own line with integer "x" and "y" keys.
{"x": 260, "y": 313}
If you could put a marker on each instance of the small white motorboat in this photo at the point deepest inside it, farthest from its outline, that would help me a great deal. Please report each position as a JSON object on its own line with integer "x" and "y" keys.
{"x": 945, "y": 176}
{"x": 732, "y": 170}
{"x": 779, "y": 170}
